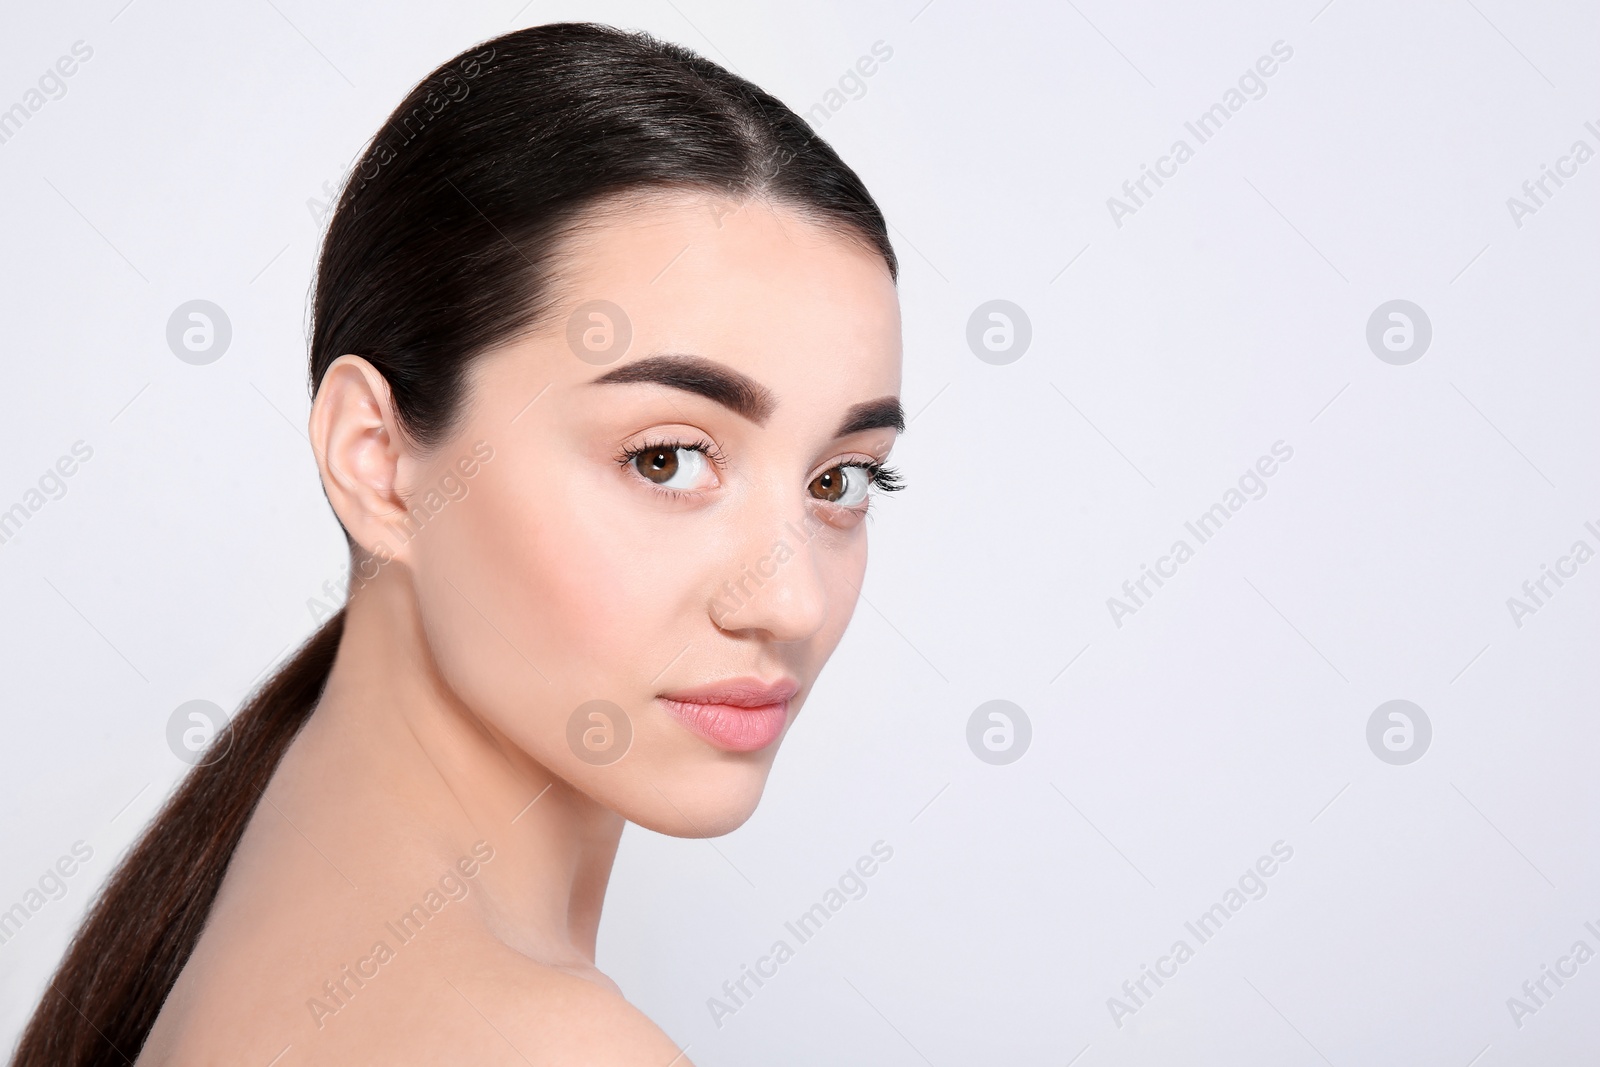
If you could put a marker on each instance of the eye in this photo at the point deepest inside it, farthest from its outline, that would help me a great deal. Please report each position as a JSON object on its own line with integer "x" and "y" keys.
{"x": 847, "y": 485}
{"x": 673, "y": 465}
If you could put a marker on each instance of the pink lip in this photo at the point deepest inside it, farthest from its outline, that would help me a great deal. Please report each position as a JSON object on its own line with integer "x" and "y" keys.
{"x": 739, "y": 714}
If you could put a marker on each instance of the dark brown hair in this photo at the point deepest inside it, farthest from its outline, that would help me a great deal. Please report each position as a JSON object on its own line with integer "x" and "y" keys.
{"x": 443, "y": 244}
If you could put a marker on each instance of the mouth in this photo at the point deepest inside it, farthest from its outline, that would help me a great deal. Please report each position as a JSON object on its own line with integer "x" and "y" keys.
{"x": 736, "y": 715}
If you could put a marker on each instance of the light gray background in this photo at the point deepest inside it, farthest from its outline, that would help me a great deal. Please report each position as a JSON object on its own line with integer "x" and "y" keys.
{"x": 1228, "y": 313}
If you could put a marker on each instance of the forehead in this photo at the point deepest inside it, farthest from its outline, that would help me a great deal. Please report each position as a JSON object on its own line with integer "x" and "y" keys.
{"x": 803, "y": 309}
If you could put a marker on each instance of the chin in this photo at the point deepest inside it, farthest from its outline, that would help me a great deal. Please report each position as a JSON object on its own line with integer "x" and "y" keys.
{"x": 715, "y": 797}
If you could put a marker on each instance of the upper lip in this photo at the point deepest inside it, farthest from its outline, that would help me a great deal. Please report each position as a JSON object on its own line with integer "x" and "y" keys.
{"x": 737, "y": 692}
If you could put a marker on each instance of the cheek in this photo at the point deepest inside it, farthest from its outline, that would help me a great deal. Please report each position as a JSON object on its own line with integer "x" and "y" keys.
{"x": 568, "y": 576}
{"x": 542, "y": 577}
{"x": 848, "y": 570}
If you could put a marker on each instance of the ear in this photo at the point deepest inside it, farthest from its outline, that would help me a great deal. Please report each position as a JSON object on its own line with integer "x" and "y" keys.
{"x": 363, "y": 455}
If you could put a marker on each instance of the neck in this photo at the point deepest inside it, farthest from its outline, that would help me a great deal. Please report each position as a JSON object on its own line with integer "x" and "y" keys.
{"x": 416, "y": 768}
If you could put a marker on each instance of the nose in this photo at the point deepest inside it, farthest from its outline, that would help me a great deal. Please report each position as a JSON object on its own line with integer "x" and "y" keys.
{"x": 776, "y": 586}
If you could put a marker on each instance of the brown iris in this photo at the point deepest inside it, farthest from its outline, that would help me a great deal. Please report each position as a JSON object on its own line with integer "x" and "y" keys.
{"x": 829, "y": 485}
{"x": 659, "y": 465}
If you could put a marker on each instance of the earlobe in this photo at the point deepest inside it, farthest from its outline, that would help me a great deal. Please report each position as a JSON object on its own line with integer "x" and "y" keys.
{"x": 359, "y": 448}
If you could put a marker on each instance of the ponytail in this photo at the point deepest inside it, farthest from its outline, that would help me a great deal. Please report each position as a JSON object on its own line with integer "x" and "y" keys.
{"x": 104, "y": 998}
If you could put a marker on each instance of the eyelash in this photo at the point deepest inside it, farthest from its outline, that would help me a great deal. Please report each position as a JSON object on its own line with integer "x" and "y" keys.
{"x": 885, "y": 479}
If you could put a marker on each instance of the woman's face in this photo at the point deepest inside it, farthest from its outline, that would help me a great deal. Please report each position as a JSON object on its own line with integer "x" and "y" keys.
{"x": 667, "y": 499}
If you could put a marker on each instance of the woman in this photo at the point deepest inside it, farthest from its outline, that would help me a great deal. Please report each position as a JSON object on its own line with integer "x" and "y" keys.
{"x": 605, "y": 362}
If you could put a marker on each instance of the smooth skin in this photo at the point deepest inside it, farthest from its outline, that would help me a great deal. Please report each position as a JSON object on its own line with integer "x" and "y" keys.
{"x": 553, "y": 575}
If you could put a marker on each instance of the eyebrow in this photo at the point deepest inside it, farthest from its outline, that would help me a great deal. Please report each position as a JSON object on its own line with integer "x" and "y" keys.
{"x": 873, "y": 414}
{"x": 741, "y": 393}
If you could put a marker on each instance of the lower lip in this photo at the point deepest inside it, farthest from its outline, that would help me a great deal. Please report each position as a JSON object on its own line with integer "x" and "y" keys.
{"x": 729, "y": 727}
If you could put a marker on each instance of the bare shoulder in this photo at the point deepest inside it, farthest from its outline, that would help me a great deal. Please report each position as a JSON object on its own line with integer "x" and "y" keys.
{"x": 477, "y": 1001}
{"x": 546, "y": 1015}
{"x": 302, "y": 982}
{"x": 455, "y": 994}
